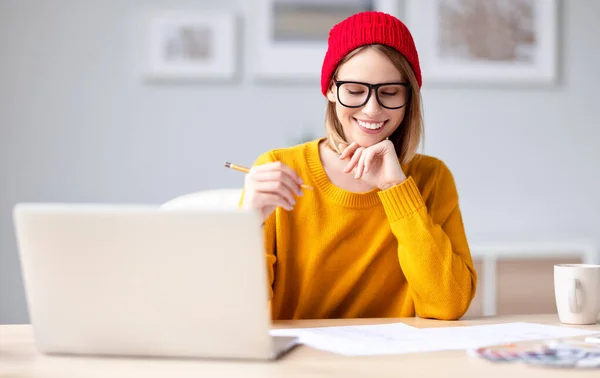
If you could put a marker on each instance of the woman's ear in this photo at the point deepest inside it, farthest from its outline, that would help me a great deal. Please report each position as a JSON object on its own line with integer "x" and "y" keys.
{"x": 331, "y": 94}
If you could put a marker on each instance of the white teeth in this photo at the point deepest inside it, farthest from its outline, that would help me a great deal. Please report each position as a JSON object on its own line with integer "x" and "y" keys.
{"x": 369, "y": 125}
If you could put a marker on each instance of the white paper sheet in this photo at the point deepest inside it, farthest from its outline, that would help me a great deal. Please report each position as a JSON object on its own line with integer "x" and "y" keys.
{"x": 352, "y": 340}
{"x": 398, "y": 338}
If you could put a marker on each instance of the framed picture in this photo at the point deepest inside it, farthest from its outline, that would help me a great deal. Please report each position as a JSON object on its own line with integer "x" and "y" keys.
{"x": 186, "y": 46}
{"x": 289, "y": 38}
{"x": 485, "y": 41}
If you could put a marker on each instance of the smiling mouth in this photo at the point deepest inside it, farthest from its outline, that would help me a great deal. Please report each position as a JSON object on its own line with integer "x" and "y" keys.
{"x": 370, "y": 127}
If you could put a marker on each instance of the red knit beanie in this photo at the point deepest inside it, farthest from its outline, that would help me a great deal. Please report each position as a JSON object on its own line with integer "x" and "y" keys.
{"x": 367, "y": 28}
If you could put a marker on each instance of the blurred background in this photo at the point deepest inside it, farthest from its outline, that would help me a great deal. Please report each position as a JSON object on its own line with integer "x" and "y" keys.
{"x": 80, "y": 123}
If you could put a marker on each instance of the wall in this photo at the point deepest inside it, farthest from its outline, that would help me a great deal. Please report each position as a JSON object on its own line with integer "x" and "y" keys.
{"x": 76, "y": 124}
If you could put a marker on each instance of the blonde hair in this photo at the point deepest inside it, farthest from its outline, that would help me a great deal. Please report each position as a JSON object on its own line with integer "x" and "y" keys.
{"x": 409, "y": 135}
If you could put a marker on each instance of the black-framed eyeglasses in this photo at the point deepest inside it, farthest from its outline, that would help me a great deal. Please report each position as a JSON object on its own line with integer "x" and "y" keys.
{"x": 355, "y": 94}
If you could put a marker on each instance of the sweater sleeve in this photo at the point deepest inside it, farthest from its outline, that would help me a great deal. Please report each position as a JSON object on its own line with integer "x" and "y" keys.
{"x": 268, "y": 230}
{"x": 432, "y": 246}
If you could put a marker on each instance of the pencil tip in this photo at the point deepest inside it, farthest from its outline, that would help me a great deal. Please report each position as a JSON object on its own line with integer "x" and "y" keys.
{"x": 227, "y": 164}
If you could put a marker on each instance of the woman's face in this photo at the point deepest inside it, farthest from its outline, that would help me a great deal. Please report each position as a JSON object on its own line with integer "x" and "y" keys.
{"x": 370, "y": 123}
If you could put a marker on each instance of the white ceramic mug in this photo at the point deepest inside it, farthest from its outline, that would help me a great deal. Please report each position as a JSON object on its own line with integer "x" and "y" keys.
{"x": 577, "y": 293}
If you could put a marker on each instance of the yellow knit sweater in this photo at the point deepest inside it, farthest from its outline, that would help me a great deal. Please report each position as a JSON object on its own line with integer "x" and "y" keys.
{"x": 392, "y": 253}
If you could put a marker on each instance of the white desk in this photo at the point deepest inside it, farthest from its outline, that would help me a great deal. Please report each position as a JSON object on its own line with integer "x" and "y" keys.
{"x": 19, "y": 359}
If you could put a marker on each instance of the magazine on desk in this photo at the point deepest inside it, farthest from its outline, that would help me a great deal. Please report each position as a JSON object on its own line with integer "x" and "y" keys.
{"x": 557, "y": 354}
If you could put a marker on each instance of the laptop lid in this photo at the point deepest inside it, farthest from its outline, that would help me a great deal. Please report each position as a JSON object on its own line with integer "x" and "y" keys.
{"x": 140, "y": 280}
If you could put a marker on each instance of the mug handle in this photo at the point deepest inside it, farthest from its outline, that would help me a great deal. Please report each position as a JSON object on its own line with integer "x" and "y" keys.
{"x": 574, "y": 302}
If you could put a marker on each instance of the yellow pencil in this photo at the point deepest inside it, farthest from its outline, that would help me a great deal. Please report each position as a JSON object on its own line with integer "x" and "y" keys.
{"x": 246, "y": 170}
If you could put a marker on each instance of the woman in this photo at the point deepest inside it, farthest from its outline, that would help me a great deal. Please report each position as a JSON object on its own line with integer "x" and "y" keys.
{"x": 380, "y": 234}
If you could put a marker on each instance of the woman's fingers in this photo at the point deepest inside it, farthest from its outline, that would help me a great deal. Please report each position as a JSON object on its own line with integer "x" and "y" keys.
{"x": 353, "y": 151}
{"x": 348, "y": 150}
{"x": 361, "y": 158}
{"x": 354, "y": 160}
{"x": 360, "y": 167}
{"x": 369, "y": 156}
{"x": 274, "y": 187}
{"x": 277, "y": 171}
{"x": 279, "y": 176}
{"x": 277, "y": 166}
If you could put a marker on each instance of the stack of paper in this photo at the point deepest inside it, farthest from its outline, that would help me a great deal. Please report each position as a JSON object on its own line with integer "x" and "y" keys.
{"x": 399, "y": 338}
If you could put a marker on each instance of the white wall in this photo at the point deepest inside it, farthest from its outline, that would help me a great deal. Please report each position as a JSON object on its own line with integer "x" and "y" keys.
{"x": 76, "y": 124}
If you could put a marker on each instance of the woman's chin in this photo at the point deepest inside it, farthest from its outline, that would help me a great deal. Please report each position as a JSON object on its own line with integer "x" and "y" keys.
{"x": 367, "y": 140}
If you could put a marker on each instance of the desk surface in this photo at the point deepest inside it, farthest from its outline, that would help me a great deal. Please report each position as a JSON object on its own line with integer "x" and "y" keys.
{"x": 19, "y": 359}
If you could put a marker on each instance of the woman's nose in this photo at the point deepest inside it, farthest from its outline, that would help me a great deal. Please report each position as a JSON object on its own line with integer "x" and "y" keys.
{"x": 372, "y": 107}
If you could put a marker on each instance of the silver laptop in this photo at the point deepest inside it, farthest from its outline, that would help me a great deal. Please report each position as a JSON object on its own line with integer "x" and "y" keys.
{"x": 129, "y": 280}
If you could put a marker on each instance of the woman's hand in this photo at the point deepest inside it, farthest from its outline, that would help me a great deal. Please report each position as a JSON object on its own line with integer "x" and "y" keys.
{"x": 377, "y": 165}
{"x": 270, "y": 185}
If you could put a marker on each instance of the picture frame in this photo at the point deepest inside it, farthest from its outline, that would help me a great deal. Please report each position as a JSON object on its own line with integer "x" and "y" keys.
{"x": 456, "y": 43}
{"x": 294, "y": 59}
{"x": 190, "y": 46}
